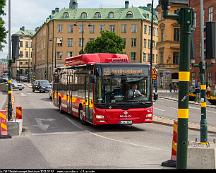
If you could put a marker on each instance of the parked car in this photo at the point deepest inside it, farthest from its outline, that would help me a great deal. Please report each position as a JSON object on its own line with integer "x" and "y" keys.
{"x": 41, "y": 86}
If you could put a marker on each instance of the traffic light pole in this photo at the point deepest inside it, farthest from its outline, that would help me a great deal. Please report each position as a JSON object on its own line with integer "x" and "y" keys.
{"x": 202, "y": 66}
{"x": 9, "y": 64}
{"x": 185, "y": 19}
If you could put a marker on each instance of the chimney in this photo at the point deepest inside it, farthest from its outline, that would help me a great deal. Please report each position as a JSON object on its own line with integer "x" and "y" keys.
{"x": 126, "y": 4}
{"x": 53, "y": 12}
{"x": 73, "y": 4}
{"x": 149, "y": 7}
{"x": 56, "y": 10}
{"x": 22, "y": 28}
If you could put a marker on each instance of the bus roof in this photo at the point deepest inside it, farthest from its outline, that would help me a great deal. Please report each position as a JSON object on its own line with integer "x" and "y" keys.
{"x": 96, "y": 58}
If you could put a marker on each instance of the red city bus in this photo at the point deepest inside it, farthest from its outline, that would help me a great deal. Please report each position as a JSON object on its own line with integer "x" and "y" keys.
{"x": 96, "y": 87}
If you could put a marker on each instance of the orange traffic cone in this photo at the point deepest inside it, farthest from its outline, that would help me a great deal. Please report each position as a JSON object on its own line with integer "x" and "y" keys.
{"x": 172, "y": 162}
{"x": 3, "y": 125}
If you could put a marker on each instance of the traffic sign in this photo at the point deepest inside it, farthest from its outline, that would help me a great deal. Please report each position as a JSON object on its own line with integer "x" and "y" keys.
{"x": 154, "y": 76}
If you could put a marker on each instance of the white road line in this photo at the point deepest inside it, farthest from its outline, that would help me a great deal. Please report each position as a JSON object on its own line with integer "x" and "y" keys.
{"x": 78, "y": 126}
{"x": 160, "y": 109}
{"x": 133, "y": 144}
{"x": 200, "y": 108}
{"x": 173, "y": 108}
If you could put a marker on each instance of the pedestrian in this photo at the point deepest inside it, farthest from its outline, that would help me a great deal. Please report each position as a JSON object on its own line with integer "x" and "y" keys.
{"x": 197, "y": 92}
{"x": 170, "y": 87}
{"x": 174, "y": 87}
{"x": 208, "y": 91}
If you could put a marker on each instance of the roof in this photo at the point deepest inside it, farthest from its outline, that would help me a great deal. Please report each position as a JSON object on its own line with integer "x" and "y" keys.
{"x": 25, "y": 32}
{"x": 179, "y": 1}
{"x": 140, "y": 13}
{"x": 96, "y": 58}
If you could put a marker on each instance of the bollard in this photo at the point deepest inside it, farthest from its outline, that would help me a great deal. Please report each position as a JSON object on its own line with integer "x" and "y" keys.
{"x": 18, "y": 112}
{"x": 172, "y": 161}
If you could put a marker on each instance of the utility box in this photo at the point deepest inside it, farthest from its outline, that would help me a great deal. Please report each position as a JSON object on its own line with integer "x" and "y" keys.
{"x": 201, "y": 156}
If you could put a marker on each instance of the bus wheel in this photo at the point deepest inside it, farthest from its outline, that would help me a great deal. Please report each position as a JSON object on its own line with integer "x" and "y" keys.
{"x": 60, "y": 107}
{"x": 81, "y": 116}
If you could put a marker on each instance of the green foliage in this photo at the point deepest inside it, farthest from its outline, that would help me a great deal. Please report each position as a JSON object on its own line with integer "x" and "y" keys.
{"x": 2, "y": 28}
{"x": 108, "y": 42}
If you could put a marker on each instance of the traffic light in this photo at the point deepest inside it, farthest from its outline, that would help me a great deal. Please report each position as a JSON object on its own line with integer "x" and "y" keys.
{"x": 15, "y": 47}
{"x": 210, "y": 40}
{"x": 164, "y": 4}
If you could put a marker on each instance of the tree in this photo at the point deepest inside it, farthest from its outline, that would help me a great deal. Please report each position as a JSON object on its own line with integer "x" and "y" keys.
{"x": 108, "y": 42}
{"x": 2, "y": 28}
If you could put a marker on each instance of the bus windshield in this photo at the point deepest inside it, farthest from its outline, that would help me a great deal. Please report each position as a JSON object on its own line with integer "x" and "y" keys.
{"x": 122, "y": 89}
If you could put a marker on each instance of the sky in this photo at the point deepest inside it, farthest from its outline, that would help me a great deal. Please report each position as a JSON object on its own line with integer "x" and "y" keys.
{"x": 33, "y": 13}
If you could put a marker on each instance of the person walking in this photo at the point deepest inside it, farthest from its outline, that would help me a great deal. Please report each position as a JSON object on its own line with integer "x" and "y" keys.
{"x": 170, "y": 87}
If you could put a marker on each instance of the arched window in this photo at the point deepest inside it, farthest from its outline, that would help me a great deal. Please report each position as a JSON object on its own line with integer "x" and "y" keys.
{"x": 129, "y": 14}
{"x": 66, "y": 15}
{"x": 111, "y": 15}
{"x": 97, "y": 15}
{"x": 84, "y": 15}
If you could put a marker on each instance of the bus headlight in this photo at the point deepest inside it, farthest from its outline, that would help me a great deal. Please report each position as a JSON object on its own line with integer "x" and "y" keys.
{"x": 99, "y": 116}
{"x": 148, "y": 115}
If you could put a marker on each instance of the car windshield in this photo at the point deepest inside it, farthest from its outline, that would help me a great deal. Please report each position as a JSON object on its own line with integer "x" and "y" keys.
{"x": 14, "y": 81}
{"x": 44, "y": 82}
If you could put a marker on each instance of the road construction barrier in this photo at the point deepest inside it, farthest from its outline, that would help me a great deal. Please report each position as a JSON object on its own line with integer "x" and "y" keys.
{"x": 172, "y": 162}
{"x": 3, "y": 125}
{"x": 18, "y": 112}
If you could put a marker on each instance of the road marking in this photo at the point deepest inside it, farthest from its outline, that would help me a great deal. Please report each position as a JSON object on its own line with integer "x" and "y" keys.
{"x": 160, "y": 109}
{"x": 133, "y": 144}
{"x": 42, "y": 125}
{"x": 22, "y": 94}
{"x": 78, "y": 126}
{"x": 200, "y": 109}
{"x": 174, "y": 108}
{"x": 55, "y": 133}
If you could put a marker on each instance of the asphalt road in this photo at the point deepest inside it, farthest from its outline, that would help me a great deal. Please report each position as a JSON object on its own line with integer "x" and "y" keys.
{"x": 54, "y": 140}
{"x": 168, "y": 108}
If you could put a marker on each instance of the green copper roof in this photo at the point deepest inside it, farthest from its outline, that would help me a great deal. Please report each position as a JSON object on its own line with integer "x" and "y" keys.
{"x": 25, "y": 33}
{"x": 133, "y": 13}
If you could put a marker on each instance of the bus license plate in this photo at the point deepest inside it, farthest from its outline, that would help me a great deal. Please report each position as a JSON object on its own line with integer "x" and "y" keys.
{"x": 125, "y": 122}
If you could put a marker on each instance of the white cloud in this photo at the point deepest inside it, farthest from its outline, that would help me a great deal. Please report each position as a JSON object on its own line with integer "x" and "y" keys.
{"x": 32, "y": 13}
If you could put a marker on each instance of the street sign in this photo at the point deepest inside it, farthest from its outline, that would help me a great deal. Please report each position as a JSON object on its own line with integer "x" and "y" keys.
{"x": 154, "y": 74}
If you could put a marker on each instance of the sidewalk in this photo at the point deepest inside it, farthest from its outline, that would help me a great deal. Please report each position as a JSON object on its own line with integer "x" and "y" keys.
{"x": 174, "y": 96}
{"x": 3, "y": 97}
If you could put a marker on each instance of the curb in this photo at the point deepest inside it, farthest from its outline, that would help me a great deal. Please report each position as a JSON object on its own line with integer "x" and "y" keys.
{"x": 191, "y": 126}
{"x": 191, "y": 102}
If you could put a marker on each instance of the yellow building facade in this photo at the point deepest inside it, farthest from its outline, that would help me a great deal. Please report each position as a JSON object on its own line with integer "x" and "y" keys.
{"x": 23, "y": 64}
{"x": 62, "y": 34}
{"x": 168, "y": 45}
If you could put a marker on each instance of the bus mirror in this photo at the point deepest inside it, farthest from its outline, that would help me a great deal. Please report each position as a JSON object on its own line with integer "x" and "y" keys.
{"x": 155, "y": 96}
{"x": 93, "y": 79}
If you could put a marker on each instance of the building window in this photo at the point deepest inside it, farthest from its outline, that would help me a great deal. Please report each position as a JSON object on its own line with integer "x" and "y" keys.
{"x": 26, "y": 44}
{"x": 176, "y": 34}
{"x": 162, "y": 35}
{"x": 21, "y": 54}
{"x": 97, "y": 15}
{"x": 66, "y": 15}
{"x": 70, "y": 54}
{"x": 26, "y": 54}
{"x": 102, "y": 27}
{"x": 84, "y": 15}
{"x": 129, "y": 14}
{"x": 209, "y": 78}
{"x": 176, "y": 58}
{"x": 59, "y": 55}
{"x": 149, "y": 30}
{"x": 111, "y": 15}
{"x": 211, "y": 14}
{"x": 144, "y": 57}
{"x": 70, "y": 42}
{"x": 21, "y": 43}
{"x": 59, "y": 42}
{"x": 149, "y": 57}
{"x": 81, "y": 42}
{"x": 161, "y": 57}
{"x": 112, "y": 28}
{"x": 193, "y": 76}
{"x": 133, "y": 56}
{"x": 133, "y": 28}
{"x": 70, "y": 28}
{"x": 59, "y": 28}
{"x": 81, "y": 28}
{"x": 144, "y": 43}
{"x": 91, "y": 29}
{"x": 149, "y": 43}
{"x": 145, "y": 29}
{"x": 133, "y": 42}
{"x": 123, "y": 28}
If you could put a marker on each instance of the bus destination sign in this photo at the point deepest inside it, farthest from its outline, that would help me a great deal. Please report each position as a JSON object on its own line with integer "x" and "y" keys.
{"x": 122, "y": 71}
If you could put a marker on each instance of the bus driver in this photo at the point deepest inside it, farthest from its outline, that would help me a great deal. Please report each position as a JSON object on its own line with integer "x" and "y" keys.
{"x": 134, "y": 92}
